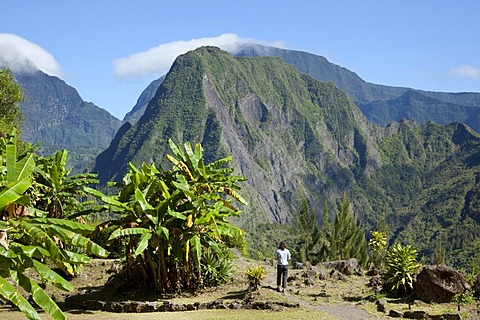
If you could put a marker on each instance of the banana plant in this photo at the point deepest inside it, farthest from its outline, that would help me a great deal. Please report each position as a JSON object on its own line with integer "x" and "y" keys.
{"x": 28, "y": 236}
{"x": 169, "y": 217}
{"x": 55, "y": 190}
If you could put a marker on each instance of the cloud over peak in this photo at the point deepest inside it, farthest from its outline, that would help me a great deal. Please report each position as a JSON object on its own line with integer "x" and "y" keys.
{"x": 466, "y": 72}
{"x": 24, "y": 56}
{"x": 157, "y": 60}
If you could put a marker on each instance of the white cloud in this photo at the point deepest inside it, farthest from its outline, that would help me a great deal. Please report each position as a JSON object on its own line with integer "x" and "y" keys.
{"x": 21, "y": 55}
{"x": 157, "y": 60}
{"x": 466, "y": 72}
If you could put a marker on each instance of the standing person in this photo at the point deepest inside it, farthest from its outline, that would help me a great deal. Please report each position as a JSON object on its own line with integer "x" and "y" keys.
{"x": 283, "y": 256}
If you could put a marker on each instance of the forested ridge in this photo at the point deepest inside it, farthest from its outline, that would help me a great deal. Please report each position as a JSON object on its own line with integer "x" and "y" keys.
{"x": 291, "y": 134}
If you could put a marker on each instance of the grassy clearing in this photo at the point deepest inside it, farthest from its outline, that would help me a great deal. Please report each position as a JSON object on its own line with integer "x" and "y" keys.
{"x": 291, "y": 314}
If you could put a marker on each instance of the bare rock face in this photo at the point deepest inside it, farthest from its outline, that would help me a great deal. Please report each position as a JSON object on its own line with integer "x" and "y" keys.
{"x": 477, "y": 286}
{"x": 439, "y": 283}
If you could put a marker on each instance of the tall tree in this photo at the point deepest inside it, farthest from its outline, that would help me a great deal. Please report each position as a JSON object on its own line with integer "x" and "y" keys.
{"x": 323, "y": 245}
{"x": 348, "y": 240}
{"x": 10, "y": 95}
{"x": 306, "y": 227}
{"x": 342, "y": 238}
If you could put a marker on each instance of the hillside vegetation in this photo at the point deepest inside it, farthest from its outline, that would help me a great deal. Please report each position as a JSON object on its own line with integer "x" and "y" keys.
{"x": 56, "y": 117}
{"x": 291, "y": 134}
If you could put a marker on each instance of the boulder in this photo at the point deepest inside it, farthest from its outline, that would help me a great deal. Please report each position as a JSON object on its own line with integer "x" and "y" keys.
{"x": 381, "y": 305}
{"x": 347, "y": 267}
{"x": 417, "y": 314}
{"x": 439, "y": 283}
{"x": 323, "y": 274}
{"x": 395, "y": 314}
{"x": 337, "y": 275}
{"x": 310, "y": 277}
{"x": 375, "y": 283}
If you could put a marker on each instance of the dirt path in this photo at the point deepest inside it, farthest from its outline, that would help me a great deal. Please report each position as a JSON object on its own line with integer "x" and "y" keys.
{"x": 340, "y": 310}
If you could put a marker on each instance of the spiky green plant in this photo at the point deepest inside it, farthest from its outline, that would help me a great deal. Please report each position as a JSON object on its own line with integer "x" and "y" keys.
{"x": 255, "y": 276}
{"x": 402, "y": 267}
{"x": 216, "y": 269}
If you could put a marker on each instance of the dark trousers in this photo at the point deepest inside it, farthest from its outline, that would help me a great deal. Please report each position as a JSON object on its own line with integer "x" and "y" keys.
{"x": 282, "y": 274}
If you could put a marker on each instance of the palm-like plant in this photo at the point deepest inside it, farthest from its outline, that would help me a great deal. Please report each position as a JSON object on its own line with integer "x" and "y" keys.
{"x": 169, "y": 217}
{"x": 215, "y": 268}
{"x": 402, "y": 266}
{"x": 28, "y": 237}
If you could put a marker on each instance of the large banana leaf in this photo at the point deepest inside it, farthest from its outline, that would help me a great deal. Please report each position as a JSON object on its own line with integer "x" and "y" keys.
{"x": 140, "y": 198}
{"x": 10, "y": 293}
{"x": 183, "y": 185}
{"x": 219, "y": 163}
{"x": 196, "y": 249}
{"x": 127, "y": 232}
{"x": 77, "y": 240}
{"x": 66, "y": 224}
{"x": 49, "y": 275}
{"x": 40, "y": 237}
{"x": 30, "y": 251}
{"x": 38, "y": 295}
{"x": 175, "y": 149}
{"x": 24, "y": 168}
{"x": 143, "y": 243}
{"x": 14, "y": 191}
{"x": 115, "y": 205}
{"x": 11, "y": 156}
{"x": 75, "y": 258}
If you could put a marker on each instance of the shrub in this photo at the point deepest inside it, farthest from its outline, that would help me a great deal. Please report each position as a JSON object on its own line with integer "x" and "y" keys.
{"x": 215, "y": 269}
{"x": 255, "y": 275}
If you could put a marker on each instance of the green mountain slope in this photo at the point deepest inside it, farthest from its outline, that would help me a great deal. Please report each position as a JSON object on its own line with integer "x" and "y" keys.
{"x": 57, "y": 117}
{"x": 290, "y": 133}
{"x": 381, "y": 104}
{"x": 363, "y": 93}
{"x": 421, "y": 108}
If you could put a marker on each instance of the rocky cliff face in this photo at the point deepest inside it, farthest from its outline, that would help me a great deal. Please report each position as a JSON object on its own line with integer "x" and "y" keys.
{"x": 290, "y": 135}
{"x": 57, "y": 117}
{"x": 283, "y": 128}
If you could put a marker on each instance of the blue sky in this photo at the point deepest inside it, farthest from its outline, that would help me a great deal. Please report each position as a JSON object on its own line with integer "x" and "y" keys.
{"x": 111, "y": 50}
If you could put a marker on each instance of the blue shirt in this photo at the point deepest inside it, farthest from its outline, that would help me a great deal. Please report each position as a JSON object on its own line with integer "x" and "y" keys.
{"x": 283, "y": 256}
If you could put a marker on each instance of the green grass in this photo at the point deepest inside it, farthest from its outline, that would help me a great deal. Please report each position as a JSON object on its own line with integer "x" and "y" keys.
{"x": 212, "y": 315}
{"x": 303, "y": 314}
